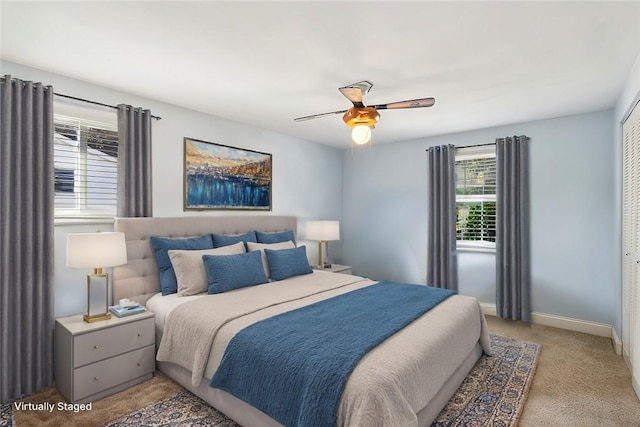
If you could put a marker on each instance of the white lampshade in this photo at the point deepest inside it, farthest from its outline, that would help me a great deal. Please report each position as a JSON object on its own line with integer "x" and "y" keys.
{"x": 96, "y": 250}
{"x": 323, "y": 230}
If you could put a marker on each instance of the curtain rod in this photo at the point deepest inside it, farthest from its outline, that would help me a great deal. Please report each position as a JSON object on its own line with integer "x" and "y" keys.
{"x": 75, "y": 98}
{"x": 477, "y": 145}
{"x": 469, "y": 146}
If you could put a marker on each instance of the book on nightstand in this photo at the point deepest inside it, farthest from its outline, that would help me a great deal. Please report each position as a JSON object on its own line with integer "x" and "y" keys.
{"x": 128, "y": 310}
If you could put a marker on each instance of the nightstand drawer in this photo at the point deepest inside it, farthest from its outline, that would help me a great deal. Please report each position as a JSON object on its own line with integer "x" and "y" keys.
{"x": 100, "y": 376}
{"x": 108, "y": 342}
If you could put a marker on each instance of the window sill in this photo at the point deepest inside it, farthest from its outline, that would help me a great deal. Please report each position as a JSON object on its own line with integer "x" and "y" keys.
{"x": 476, "y": 249}
{"x": 82, "y": 221}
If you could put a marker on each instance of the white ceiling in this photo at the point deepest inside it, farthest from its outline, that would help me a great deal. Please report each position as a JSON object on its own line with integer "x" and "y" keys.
{"x": 265, "y": 63}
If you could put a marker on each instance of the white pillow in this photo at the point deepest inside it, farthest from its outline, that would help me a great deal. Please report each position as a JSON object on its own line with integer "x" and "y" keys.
{"x": 189, "y": 267}
{"x": 273, "y": 246}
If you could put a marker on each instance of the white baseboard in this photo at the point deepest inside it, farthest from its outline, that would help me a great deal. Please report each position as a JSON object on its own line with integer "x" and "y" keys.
{"x": 489, "y": 309}
{"x": 627, "y": 358}
{"x": 617, "y": 342}
{"x": 560, "y": 322}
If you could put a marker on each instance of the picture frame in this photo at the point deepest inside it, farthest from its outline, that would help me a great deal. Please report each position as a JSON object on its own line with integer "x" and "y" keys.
{"x": 222, "y": 177}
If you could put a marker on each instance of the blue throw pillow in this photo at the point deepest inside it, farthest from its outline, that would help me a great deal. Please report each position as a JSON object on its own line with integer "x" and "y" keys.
{"x": 220, "y": 240}
{"x": 282, "y": 236}
{"x": 288, "y": 262}
{"x": 161, "y": 247}
{"x": 228, "y": 272}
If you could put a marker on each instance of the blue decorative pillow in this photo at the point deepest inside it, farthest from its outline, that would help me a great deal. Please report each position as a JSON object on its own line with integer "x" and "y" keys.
{"x": 228, "y": 272}
{"x": 282, "y": 236}
{"x": 288, "y": 262}
{"x": 161, "y": 247}
{"x": 220, "y": 240}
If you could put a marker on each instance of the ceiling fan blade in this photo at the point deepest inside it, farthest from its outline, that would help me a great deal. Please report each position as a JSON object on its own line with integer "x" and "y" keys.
{"x": 317, "y": 116}
{"x": 353, "y": 94}
{"x": 412, "y": 103}
{"x": 355, "y": 91}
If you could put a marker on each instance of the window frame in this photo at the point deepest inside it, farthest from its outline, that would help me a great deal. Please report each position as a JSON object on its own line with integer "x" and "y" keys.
{"x": 470, "y": 153}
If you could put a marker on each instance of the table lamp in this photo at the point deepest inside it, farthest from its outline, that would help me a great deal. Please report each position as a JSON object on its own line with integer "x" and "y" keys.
{"x": 96, "y": 251}
{"x": 323, "y": 232}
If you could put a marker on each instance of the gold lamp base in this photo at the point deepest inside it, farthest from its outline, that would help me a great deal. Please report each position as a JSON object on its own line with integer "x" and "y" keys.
{"x": 323, "y": 262}
{"x": 97, "y": 297}
{"x": 96, "y": 317}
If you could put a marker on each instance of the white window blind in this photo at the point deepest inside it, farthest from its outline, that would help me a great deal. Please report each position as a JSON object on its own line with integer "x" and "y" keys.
{"x": 86, "y": 167}
{"x": 476, "y": 196}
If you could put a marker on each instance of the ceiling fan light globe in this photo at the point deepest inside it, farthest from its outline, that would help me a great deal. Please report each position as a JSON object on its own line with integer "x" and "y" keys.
{"x": 361, "y": 134}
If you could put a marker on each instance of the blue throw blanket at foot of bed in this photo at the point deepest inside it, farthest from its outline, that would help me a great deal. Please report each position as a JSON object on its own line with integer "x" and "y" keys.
{"x": 294, "y": 366}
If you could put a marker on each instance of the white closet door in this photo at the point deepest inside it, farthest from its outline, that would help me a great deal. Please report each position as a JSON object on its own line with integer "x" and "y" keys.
{"x": 631, "y": 244}
{"x": 628, "y": 235}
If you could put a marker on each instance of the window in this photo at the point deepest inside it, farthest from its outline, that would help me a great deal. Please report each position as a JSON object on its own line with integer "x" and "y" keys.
{"x": 476, "y": 197}
{"x": 86, "y": 166}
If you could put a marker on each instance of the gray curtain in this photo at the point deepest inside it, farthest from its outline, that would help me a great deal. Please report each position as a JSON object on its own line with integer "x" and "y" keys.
{"x": 26, "y": 237}
{"x": 442, "y": 257}
{"x": 134, "y": 162}
{"x": 513, "y": 265}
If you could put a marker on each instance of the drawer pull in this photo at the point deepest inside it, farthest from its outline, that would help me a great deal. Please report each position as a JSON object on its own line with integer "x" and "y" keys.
{"x": 95, "y": 347}
{"x": 139, "y": 334}
{"x": 95, "y": 378}
{"x": 139, "y": 364}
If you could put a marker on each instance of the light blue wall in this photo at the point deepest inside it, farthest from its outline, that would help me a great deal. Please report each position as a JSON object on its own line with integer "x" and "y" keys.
{"x": 572, "y": 215}
{"x": 307, "y": 177}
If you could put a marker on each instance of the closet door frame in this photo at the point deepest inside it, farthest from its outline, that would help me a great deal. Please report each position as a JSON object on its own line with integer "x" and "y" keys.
{"x": 630, "y": 133}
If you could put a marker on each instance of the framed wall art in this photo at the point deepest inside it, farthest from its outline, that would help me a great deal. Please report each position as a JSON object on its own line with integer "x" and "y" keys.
{"x": 223, "y": 177}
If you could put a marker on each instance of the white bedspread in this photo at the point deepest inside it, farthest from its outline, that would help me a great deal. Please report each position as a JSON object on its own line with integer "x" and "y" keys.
{"x": 389, "y": 385}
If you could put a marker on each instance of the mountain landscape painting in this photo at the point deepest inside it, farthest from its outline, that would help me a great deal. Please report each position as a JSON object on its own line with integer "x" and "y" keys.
{"x": 223, "y": 177}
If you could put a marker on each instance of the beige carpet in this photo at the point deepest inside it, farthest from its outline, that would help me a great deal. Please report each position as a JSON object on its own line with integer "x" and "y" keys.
{"x": 580, "y": 381}
{"x": 102, "y": 411}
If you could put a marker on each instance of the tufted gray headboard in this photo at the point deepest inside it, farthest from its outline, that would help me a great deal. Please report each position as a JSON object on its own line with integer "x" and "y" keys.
{"x": 138, "y": 278}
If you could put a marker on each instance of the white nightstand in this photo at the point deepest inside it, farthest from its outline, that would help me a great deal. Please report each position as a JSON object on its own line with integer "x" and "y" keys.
{"x": 337, "y": 268}
{"x": 94, "y": 360}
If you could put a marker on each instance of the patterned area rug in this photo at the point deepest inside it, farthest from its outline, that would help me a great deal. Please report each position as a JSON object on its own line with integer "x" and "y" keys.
{"x": 493, "y": 394}
{"x": 181, "y": 409}
{"x": 6, "y": 415}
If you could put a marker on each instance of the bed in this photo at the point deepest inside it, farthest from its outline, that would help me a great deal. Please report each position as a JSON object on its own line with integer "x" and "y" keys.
{"x": 406, "y": 380}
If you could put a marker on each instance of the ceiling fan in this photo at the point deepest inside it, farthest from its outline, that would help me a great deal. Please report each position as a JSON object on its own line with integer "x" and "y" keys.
{"x": 362, "y": 118}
